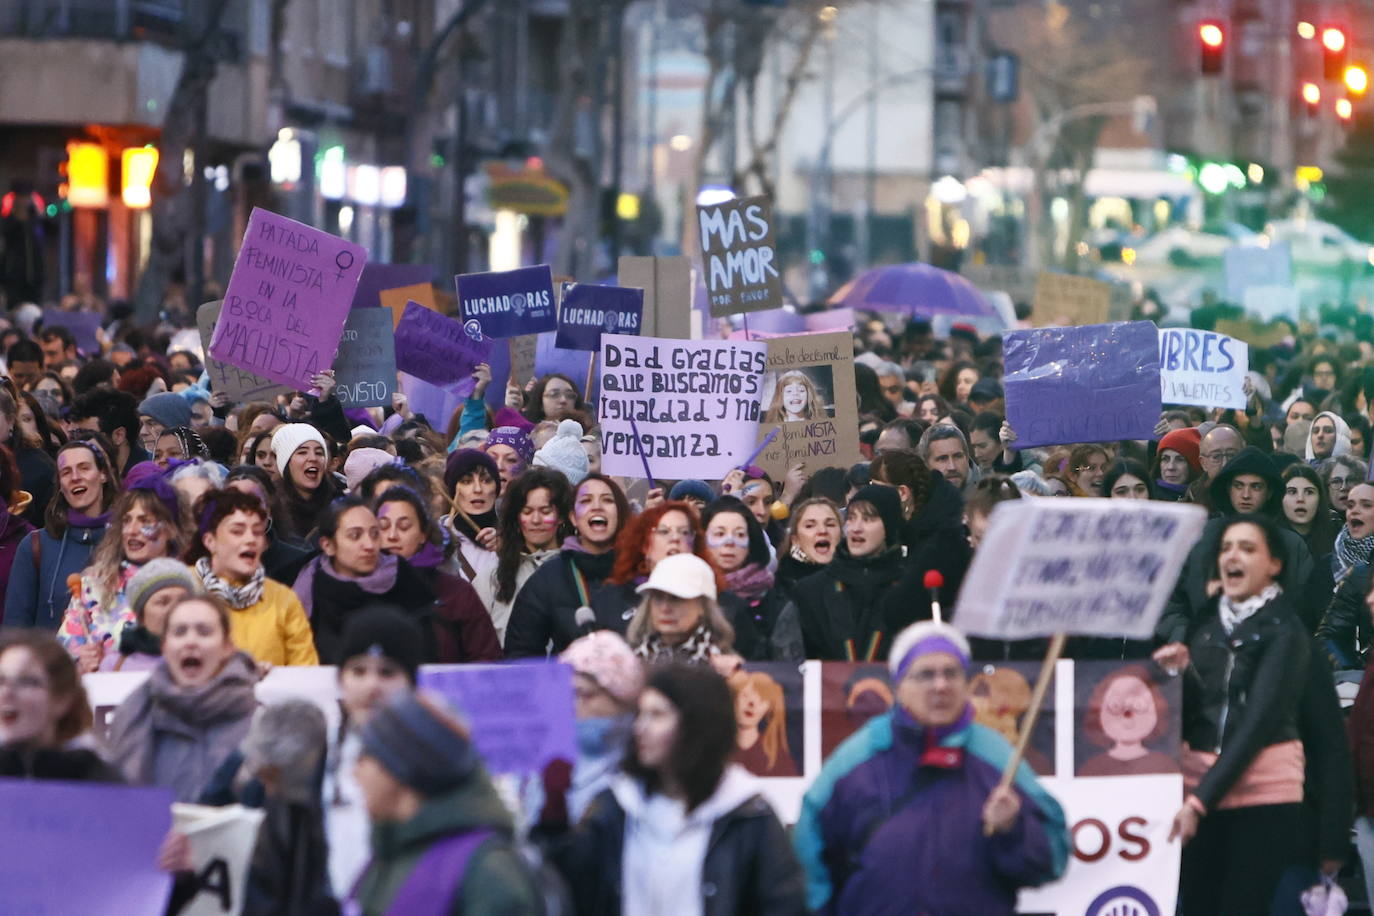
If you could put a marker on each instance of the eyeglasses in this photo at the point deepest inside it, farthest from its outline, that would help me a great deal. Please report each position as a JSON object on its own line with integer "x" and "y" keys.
{"x": 1341, "y": 483}
{"x": 682, "y": 534}
{"x": 1089, "y": 467}
{"x": 1222, "y": 454}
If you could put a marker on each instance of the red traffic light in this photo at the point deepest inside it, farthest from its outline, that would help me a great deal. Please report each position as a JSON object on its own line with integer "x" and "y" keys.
{"x": 1211, "y": 34}
{"x": 1212, "y": 39}
{"x": 1333, "y": 39}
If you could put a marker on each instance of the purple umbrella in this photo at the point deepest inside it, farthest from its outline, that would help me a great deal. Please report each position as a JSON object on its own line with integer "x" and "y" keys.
{"x": 916, "y": 289}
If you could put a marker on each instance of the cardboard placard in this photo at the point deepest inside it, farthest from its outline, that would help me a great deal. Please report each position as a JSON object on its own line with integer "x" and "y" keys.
{"x": 1202, "y": 368}
{"x": 379, "y": 277}
{"x": 1064, "y": 300}
{"x": 508, "y": 303}
{"x": 239, "y": 384}
{"x": 1098, "y": 383}
{"x": 395, "y": 300}
{"x": 222, "y": 841}
{"x": 85, "y": 327}
{"x": 365, "y": 365}
{"x": 1090, "y": 567}
{"x": 808, "y": 391}
{"x": 587, "y": 311}
{"x": 667, "y": 285}
{"x": 437, "y": 349}
{"x": 739, "y": 256}
{"x": 1255, "y": 333}
{"x": 287, "y": 299}
{"x": 693, "y": 403}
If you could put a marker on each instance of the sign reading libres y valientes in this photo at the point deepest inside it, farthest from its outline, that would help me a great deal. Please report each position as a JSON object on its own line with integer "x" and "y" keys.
{"x": 287, "y": 300}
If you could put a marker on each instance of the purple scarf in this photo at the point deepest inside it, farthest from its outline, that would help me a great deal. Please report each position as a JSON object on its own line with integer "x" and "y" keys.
{"x": 427, "y": 557}
{"x": 80, "y": 520}
{"x": 378, "y": 582}
{"x": 751, "y": 581}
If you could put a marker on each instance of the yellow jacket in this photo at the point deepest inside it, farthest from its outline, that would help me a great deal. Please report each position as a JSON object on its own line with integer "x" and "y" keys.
{"x": 275, "y": 630}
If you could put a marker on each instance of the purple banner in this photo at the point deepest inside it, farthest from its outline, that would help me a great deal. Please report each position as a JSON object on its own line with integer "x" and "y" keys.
{"x": 377, "y": 277}
{"x": 83, "y": 326}
{"x": 1095, "y": 383}
{"x": 287, "y": 299}
{"x": 438, "y": 349}
{"x": 509, "y": 303}
{"x": 590, "y": 310}
{"x": 521, "y": 714}
{"x": 114, "y": 831}
{"x": 549, "y": 357}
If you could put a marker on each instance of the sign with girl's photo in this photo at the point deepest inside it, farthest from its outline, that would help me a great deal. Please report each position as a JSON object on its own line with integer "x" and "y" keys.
{"x": 808, "y": 399}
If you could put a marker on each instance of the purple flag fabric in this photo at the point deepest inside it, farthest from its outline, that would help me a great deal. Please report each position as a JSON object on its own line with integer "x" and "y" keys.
{"x": 114, "y": 831}
{"x": 1095, "y": 383}
{"x": 521, "y": 714}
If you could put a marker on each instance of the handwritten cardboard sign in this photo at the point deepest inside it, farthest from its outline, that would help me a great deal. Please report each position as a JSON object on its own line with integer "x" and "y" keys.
{"x": 1203, "y": 368}
{"x": 808, "y": 391}
{"x": 739, "y": 255}
{"x": 1089, "y": 567}
{"x": 239, "y": 384}
{"x": 589, "y": 310}
{"x": 395, "y": 300}
{"x": 694, "y": 403}
{"x": 114, "y": 831}
{"x": 1063, "y": 300}
{"x": 521, "y": 714}
{"x": 1098, "y": 383}
{"x": 365, "y": 366}
{"x": 436, "y": 348}
{"x": 508, "y": 303}
{"x": 287, "y": 299}
{"x": 222, "y": 841}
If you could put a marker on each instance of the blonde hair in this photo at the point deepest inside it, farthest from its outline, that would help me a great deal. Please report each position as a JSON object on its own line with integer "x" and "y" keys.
{"x": 641, "y": 625}
{"x": 815, "y": 407}
{"x": 774, "y": 737}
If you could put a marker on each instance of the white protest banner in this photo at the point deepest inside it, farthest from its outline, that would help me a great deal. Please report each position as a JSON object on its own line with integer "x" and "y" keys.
{"x": 1092, "y": 567}
{"x": 1267, "y": 302}
{"x": 222, "y": 841}
{"x": 689, "y": 408}
{"x": 1202, "y": 368}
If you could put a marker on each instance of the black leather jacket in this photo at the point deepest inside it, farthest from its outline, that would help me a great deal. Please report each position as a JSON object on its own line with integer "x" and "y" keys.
{"x": 1242, "y": 691}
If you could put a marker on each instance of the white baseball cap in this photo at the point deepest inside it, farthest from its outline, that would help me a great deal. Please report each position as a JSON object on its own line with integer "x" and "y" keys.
{"x": 683, "y": 575}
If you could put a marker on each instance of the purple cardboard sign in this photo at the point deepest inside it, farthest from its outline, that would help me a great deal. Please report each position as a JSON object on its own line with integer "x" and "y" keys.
{"x": 114, "y": 831}
{"x": 551, "y": 357}
{"x": 693, "y": 405}
{"x": 83, "y": 326}
{"x": 1095, "y": 383}
{"x": 589, "y": 310}
{"x": 377, "y": 277}
{"x": 287, "y": 300}
{"x": 437, "y": 349}
{"x": 521, "y": 714}
{"x": 508, "y": 303}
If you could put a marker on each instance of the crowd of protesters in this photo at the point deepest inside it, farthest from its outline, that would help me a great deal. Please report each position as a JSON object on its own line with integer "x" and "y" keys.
{"x": 149, "y": 523}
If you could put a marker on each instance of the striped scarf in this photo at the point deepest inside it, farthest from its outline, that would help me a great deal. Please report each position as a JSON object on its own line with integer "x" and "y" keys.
{"x": 239, "y": 598}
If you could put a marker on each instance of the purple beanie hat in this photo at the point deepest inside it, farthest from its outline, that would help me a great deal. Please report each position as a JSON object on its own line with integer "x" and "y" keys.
{"x": 516, "y": 439}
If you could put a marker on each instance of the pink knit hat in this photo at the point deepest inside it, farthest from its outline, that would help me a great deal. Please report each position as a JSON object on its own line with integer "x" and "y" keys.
{"x": 606, "y": 658}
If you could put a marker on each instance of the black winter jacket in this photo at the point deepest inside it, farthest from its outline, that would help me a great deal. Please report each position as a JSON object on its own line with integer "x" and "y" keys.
{"x": 1329, "y": 784}
{"x": 1239, "y": 694}
{"x": 1345, "y": 629}
{"x": 544, "y": 614}
{"x": 749, "y": 868}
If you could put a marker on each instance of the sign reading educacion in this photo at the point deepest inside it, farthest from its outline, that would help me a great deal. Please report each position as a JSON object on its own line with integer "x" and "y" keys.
{"x": 740, "y": 256}
{"x": 589, "y": 310}
{"x": 287, "y": 299}
{"x": 695, "y": 404}
{"x": 508, "y": 303}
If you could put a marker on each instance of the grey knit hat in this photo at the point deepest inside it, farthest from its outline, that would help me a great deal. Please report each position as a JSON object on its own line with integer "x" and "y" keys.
{"x": 168, "y": 408}
{"x": 421, "y": 743}
{"x": 153, "y": 577}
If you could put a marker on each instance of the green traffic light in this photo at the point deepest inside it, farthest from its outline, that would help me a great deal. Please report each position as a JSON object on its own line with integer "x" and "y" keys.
{"x": 817, "y": 256}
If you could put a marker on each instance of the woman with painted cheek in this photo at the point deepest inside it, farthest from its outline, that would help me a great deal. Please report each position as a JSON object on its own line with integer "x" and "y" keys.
{"x": 533, "y": 522}
{"x": 739, "y": 548}
{"x": 353, "y": 572}
{"x": 813, "y": 538}
{"x": 43, "y": 709}
{"x": 472, "y": 483}
{"x": 146, "y": 525}
{"x": 462, "y": 630}
{"x": 302, "y": 457}
{"x": 382, "y": 652}
{"x": 267, "y": 620}
{"x": 153, "y": 592}
{"x": 545, "y": 616}
{"x": 37, "y": 594}
{"x": 195, "y": 708}
{"x": 850, "y": 609}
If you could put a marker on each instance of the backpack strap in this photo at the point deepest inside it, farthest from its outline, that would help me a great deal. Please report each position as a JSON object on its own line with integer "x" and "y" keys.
{"x": 431, "y": 886}
{"x": 36, "y": 548}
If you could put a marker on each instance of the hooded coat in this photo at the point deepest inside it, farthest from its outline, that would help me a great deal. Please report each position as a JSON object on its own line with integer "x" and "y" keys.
{"x": 1190, "y": 596}
{"x": 1342, "y": 445}
{"x": 164, "y": 734}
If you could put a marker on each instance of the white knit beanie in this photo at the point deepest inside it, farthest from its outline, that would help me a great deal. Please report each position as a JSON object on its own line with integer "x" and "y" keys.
{"x": 292, "y": 436}
{"x": 564, "y": 452}
{"x": 925, "y": 637}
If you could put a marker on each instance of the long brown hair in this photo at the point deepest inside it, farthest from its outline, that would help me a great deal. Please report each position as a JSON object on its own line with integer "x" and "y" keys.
{"x": 102, "y": 574}
{"x": 63, "y": 679}
{"x": 512, "y": 541}
{"x": 55, "y": 518}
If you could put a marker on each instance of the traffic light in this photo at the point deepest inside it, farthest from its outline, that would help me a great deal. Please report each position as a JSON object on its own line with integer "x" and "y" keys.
{"x": 1212, "y": 42}
{"x": 1312, "y": 97}
{"x": 1344, "y": 110}
{"x": 1356, "y": 80}
{"x": 137, "y": 167}
{"x": 88, "y": 175}
{"x": 1334, "y": 42}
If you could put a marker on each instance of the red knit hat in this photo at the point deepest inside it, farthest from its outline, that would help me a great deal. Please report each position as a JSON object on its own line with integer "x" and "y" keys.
{"x": 1187, "y": 442}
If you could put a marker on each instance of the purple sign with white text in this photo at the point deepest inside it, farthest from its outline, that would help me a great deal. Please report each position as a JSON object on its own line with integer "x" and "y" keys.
{"x": 521, "y": 714}
{"x": 436, "y": 348}
{"x": 508, "y": 303}
{"x": 588, "y": 311}
{"x": 287, "y": 300}
{"x": 1095, "y": 383}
